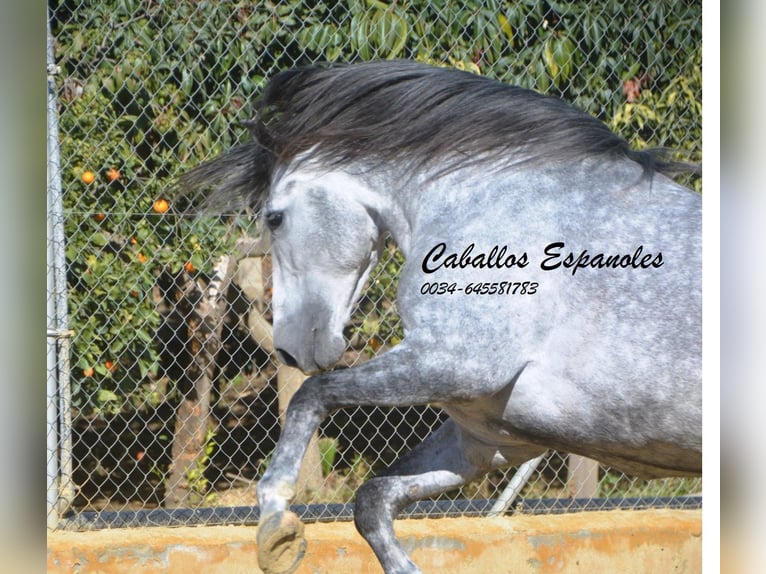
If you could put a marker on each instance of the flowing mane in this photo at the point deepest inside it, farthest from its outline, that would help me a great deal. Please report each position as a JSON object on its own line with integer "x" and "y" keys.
{"x": 416, "y": 115}
{"x": 406, "y": 111}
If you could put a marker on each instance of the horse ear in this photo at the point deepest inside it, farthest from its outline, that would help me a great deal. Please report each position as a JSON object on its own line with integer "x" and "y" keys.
{"x": 258, "y": 133}
{"x": 252, "y": 126}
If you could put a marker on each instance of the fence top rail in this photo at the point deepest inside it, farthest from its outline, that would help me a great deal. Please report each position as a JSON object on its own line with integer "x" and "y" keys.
{"x": 249, "y": 515}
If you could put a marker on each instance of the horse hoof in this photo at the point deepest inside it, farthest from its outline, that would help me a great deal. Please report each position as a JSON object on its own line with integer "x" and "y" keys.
{"x": 281, "y": 545}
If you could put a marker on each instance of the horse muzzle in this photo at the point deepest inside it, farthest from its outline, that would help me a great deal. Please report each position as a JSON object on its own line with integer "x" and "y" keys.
{"x": 312, "y": 351}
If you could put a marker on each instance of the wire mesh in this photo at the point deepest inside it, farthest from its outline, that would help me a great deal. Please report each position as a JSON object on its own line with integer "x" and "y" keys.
{"x": 176, "y": 395}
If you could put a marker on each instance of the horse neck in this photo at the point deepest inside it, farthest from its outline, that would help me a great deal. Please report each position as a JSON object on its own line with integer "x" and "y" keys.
{"x": 391, "y": 205}
{"x": 408, "y": 203}
{"x": 401, "y": 202}
{"x": 404, "y": 202}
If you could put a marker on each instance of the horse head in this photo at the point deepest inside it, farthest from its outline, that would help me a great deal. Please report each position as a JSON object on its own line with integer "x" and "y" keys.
{"x": 324, "y": 243}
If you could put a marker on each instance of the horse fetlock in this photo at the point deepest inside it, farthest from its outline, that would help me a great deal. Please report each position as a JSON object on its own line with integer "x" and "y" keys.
{"x": 273, "y": 497}
{"x": 281, "y": 543}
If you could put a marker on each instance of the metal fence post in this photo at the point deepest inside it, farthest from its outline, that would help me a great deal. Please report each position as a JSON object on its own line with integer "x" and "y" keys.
{"x": 519, "y": 480}
{"x": 59, "y": 487}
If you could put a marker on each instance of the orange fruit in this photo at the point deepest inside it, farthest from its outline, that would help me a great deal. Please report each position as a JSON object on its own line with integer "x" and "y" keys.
{"x": 88, "y": 372}
{"x": 189, "y": 267}
{"x": 88, "y": 177}
{"x": 141, "y": 257}
{"x": 133, "y": 240}
{"x": 113, "y": 174}
{"x": 160, "y": 205}
{"x": 99, "y": 217}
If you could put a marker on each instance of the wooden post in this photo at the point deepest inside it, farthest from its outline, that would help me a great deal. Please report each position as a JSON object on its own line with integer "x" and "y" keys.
{"x": 252, "y": 279}
{"x": 205, "y": 308}
{"x": 310, "y": 478}
{"x": 582, "y": 477}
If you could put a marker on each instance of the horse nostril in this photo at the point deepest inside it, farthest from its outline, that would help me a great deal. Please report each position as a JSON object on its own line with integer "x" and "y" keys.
{"x": 286, "y": 358}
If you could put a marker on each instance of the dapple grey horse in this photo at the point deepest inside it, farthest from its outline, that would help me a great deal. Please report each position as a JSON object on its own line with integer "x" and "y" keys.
{"x": 550, "y": 297}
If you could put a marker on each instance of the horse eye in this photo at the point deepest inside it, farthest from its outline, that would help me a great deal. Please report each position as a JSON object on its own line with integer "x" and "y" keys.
{"x": 273, "y": 219}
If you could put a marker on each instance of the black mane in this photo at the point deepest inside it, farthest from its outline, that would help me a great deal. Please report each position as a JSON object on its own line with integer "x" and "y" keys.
{"x": 410, "y": 114}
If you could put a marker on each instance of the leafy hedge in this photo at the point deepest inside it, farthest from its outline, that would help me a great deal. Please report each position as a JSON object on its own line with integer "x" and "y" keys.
{"x": 149, "y": 88}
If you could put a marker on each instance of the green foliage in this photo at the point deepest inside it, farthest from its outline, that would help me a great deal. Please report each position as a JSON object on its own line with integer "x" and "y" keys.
{"x": 341, "y": 486}
{"x": 116, "y": 246}
{"x": 328, "y": 451}
{"x": 196, "y": 480}
{"x": 152, "y": 87}
{"x": 378, "y": 322}
{"x": 125, "y": 107}
{"x": 581, "y": 51}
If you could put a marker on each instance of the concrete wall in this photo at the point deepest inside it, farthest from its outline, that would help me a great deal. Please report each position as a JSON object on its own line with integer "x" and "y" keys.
{"x": 628, "y": 542}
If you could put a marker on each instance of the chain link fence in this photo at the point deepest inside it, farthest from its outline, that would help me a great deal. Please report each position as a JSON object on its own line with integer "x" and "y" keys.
{"x": 163, "y": 392}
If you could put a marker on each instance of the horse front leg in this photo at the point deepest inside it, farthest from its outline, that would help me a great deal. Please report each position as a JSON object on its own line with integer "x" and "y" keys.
{"x": 435, "y": 466}
{"x": 280, "y": 540}
{"x": 401, "y": 377}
